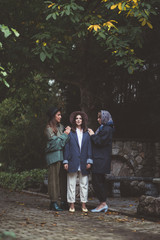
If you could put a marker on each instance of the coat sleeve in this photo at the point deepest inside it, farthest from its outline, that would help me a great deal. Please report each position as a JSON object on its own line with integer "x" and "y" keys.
{"x": 103, "y": 137}
{"x": 56, "y": 143}
{"x": 66, "y": 153}
{"x": 89, "y": 159}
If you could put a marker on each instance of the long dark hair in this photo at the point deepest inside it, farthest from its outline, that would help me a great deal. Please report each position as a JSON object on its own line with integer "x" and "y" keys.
{"x": 53, "y": 124}
{"x": 84, "y": 126}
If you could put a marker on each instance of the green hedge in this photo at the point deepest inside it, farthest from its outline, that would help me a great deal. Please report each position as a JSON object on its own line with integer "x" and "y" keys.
{"x": 23, "y": 180}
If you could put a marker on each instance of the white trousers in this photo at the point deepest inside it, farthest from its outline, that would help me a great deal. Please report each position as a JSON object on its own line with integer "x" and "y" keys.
{"x": 71, "y": 187}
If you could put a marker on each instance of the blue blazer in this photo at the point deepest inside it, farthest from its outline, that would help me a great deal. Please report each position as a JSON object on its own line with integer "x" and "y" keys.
{"x": 75, "y": 157}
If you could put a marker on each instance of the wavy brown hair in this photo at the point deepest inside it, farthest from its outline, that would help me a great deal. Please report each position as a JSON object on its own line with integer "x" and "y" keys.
{"x": 84, "y": 125}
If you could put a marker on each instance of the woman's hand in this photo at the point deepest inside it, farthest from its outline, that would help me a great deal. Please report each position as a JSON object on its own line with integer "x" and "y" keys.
{"x": 67, "y": 130}
{"x": 66, "y": 166}
{"x": 88, "y": 166}
{"x": 90, "y": 131}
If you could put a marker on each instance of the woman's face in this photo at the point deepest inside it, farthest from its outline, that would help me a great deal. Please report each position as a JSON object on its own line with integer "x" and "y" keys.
{"x": 78, "y": 120}
{"x": 58, "y": 117}
{"x": 99, "y": 118}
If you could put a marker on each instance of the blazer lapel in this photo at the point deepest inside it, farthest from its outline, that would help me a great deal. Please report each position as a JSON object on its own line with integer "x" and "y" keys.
{"x": 76, "y": 138}
{"x": 83, "y": 139}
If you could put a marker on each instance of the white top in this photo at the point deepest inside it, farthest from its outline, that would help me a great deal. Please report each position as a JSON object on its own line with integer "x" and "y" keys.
{"x": 80, "y": 136}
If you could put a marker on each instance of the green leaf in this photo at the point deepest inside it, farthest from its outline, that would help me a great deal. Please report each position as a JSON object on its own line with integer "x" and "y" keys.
{"x": 54, "y": 16}
{"x": 6, "y": 31}
{"x": 49, "y": 16}
{"x": 4, "y": 73}
{"x": 49, "y": 55}
{"x": 102, "y": 35}
{"x": 42, "y": 56}
{"x": 5, "y": 82}
{"x": 15, "y": 32}
{"x": 123, "y": 5}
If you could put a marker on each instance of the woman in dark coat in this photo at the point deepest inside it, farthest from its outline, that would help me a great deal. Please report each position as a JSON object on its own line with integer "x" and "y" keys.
{"x": 102, "y": 149}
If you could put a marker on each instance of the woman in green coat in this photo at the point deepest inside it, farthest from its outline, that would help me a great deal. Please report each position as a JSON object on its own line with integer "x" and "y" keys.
{"x": 57, "y": 137}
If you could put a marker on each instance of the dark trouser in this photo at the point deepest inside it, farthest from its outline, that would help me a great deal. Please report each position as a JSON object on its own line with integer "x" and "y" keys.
{"x": 63, "y": 183}
{"x": 99, "y": 186}
{"x": 57, "y": 182}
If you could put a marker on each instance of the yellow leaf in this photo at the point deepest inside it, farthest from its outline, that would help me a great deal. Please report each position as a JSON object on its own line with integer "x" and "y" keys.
{"x": 49, "y": 6}
{"x": 114, "y": 6}
{"x": 113, "y": 21}
{"x": 95, "y": 27}
{"x": 120, "y": 6}
{"x": 141, "y": 19}
{"x": 149, "y": 25}
{"x": 144, "y": 22}
{"x": 109, "y": 24}
{"x": 135, "y": 1}
{"x": 90, "y": 27}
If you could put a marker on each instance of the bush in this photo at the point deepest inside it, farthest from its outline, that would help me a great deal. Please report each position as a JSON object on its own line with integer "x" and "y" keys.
{"x": 22, "y": 123}
{"x": 23, "y": 180}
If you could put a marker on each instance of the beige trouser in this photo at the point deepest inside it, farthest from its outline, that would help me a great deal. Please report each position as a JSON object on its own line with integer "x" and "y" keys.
{"x": 57, "y": 182}
{"x": 71, "y": 187}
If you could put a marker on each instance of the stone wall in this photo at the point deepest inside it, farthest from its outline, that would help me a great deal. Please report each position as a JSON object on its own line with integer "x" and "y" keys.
{"x": 135, "y": 158}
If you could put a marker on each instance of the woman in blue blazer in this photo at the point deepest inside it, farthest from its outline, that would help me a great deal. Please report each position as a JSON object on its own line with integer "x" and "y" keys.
{"x": 78, "y": 159}
{"x": 102, "y": 149}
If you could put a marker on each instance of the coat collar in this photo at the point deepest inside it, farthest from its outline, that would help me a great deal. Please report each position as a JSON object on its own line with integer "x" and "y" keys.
{"x": 76, "y": 138}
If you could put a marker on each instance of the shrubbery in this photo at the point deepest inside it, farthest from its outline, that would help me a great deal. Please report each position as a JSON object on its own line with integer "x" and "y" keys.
{"x": 23, "y": 180}
{"x": 22, "y": 123}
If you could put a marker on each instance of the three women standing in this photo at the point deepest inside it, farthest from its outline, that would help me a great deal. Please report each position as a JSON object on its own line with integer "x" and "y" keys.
{"x": 78, "y": 154}
{"x": 78, "y": 159}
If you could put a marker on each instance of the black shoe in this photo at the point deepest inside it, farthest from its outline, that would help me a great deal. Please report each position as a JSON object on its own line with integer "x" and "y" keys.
{"x": 64, "y": 205}
{"x": 54, "y": 206}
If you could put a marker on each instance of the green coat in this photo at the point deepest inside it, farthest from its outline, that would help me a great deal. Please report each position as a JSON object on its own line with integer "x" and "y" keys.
{"x": 55, "y": 144}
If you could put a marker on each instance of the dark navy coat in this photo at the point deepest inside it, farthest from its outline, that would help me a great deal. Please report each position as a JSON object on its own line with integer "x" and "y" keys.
{"x": 102, "y": 150}
{"x": 76, "y": 157}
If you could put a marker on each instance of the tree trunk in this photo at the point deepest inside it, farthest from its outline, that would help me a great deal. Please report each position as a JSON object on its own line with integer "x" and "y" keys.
{"x": 87, "y": 105}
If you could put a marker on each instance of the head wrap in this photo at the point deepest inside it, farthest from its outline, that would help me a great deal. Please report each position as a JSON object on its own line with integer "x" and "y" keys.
{"x": 105, "y": 117}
